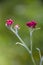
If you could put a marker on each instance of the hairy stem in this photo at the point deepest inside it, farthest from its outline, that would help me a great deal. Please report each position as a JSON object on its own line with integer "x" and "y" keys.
{"x": 33, "y": 59}
{"x": 31, "y": 40}
{"x": 41, "y": 60}
{"x": 31, "y": 31}
{"x": 20, "y": 40}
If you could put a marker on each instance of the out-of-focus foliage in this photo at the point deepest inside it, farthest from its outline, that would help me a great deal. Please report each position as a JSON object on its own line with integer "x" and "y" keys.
{"x": 20, "y": 11}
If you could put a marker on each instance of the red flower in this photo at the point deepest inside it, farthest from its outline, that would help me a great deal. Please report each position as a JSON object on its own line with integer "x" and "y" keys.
{"x": 31, "y": 24}
{"x": 9, "y": 22}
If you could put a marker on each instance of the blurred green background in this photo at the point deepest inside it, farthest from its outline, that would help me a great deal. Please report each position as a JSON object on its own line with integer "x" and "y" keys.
{"x": 20, "y": 11}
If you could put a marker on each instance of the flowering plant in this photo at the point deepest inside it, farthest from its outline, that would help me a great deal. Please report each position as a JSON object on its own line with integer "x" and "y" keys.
{"x": 32, "y": 27}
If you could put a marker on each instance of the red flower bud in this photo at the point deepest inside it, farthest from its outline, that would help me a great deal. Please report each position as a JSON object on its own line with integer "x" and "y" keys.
{"x": 9, "y": 22}
{"x": 17, "y": 26}
{"x": 31, "y": 24}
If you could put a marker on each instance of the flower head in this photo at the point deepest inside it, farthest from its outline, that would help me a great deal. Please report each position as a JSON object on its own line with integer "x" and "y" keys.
{"x": 31, "y": 24}
{"x": 9, "y": 22}
{"x": 17, "y": 26}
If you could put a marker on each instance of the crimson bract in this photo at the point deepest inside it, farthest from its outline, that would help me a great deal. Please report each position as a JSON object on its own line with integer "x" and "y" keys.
{"x": 9, "y": 22}
{"x": 31, "y": 24}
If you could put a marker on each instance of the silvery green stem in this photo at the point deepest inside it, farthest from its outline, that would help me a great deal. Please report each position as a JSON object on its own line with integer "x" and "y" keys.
{"x": 24, "y": 46}
{"x": 33, "y": 59}
{"x": 31, "y": 31}
{"x": 16, "y": 30}
{"x": 16, "y": 33}
{"x": 31, "y": 39}
{"x": 20, "y": 40}
{"x": 41, "y": 57}
{"x": 41, "y": 60}
{"x": 39, "y": 52}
